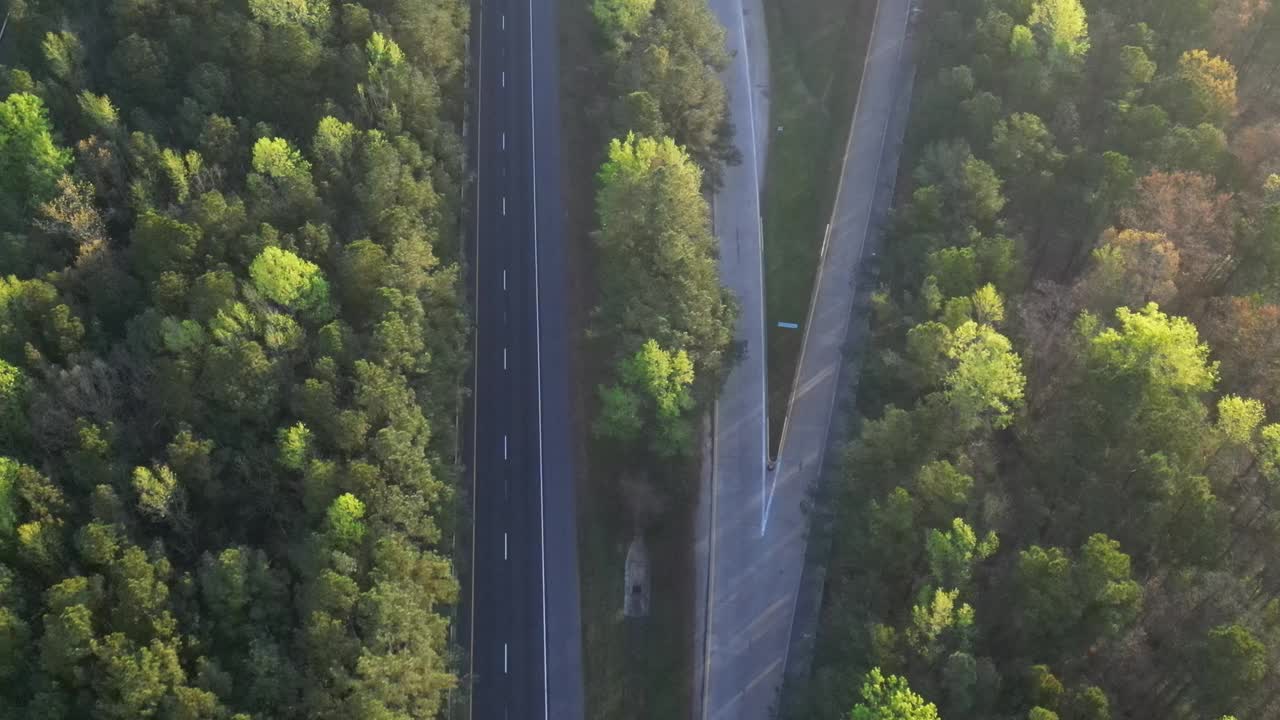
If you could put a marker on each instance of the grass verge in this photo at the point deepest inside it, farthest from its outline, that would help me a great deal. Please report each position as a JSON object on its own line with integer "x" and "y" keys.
{"x": 633, "y": 669}
{"x": 816, "y": 51}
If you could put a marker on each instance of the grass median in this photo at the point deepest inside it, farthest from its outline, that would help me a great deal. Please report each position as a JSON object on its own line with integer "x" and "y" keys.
{"x": 816, "y": 52}
{"x": 633, "y": 669}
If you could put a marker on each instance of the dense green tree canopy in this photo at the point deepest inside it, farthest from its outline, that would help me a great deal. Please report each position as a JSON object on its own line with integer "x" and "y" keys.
{"x": 1071, "y": 347}
{"x": 666, "y": 56}
{"x": 231, "y": 341}
{"x": 660, "y": 280}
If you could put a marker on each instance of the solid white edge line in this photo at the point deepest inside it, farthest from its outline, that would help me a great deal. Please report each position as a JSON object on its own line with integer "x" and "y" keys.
{"x": 537, "y": 311}
{"x": 755, "y": 174}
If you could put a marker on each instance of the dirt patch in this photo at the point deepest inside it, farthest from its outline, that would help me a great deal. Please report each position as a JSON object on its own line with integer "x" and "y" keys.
{"x": 816, "y": 51}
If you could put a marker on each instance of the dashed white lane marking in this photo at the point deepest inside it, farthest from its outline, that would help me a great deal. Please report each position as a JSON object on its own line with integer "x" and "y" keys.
{"x": 504, "y": 447}
{"x": 504, "y": 658}
{"x": 504, "y": 205}
{"x": 504, "y": 279}
{"x": 504, "y": 22}
{"x": 504, "y": 141}
{"x": 504, "y": 546}
{"x": 504, "y": 78}
{"x": 504, "y": 358}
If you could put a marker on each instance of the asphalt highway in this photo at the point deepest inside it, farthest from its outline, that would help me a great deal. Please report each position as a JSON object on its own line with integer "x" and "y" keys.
{"x": 525, "y": 633}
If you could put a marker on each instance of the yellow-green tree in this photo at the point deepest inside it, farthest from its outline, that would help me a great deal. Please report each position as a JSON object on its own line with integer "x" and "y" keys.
{"x": 890, "y": 698}
{"x": 30, "y": 161}
{"x": 1208, "y": 86}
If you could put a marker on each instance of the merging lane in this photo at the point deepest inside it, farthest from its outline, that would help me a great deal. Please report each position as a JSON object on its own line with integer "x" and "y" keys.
{"x": 757, "y": 523}
{"x": 525, "y": 637}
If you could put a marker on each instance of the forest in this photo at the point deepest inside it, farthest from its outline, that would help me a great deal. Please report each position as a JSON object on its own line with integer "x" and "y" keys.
{"x": 232, "y": 341}
{"x": 1063, "y": 497}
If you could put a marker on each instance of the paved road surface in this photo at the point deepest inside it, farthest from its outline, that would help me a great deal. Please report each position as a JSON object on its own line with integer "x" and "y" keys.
{"x": 757, "y": 521}
{"x": 525, "y": 632}
{"x": 824, "y": 381}
{"x": 734, "y": 675}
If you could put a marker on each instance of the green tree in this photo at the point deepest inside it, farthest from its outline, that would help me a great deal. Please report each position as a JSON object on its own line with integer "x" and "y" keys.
{"x": 1063, "y": 25}
{"x": 1235, "y": 664}
{"x": 621, "y": 415}
{"x": 287, "y": 279}
{"x": 159, "y": 496}
{"x": 970, "y": 188}
{"x": 1163, "y": 351}
{"x": 344, "y": 520}
{"x": 1046, "y": 689}
{"x": 943, "y": 489}
{"x": 653, "y": 395}
{"x": 986, "y": 384}
{"x": 99, "y": 112}
{"x": 1207, "y": 88}
{"x": 310, "y": 13}
{"x": 660, "y": 280}
{"x": 295, "y": 443}
{"x": 939, "y": 621}
{"x": 960, "y": 680}
{"x": 890, "y": 698}
{"x": 1088, "y": 703}
{"x": 13, "y": 391}
{"x": 953, "y": 554}
{"x": 620, "y": 19}
{"x": 281, "y": 185}
{"x": 65, "y": 55}
{"x": 1094, "y": 596}
{"x": 1022, "y": 149}
{"x": 162, "y": 244}
{"x": 988, "y": 306}
{"x": 1047, "y": 604}
{"x": 30, "y": 161}
{"x": 1112, "y": 598}
{"x": 894, "y": 533}
{"x": 8, "y": 497}
{"x": 676, "y": 60}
